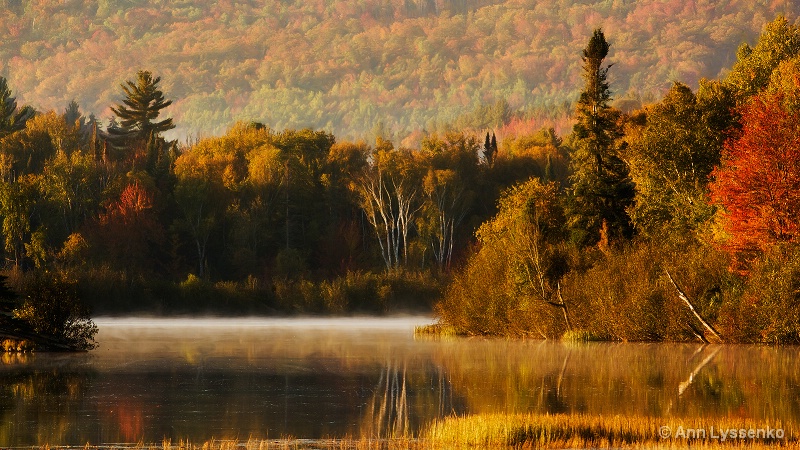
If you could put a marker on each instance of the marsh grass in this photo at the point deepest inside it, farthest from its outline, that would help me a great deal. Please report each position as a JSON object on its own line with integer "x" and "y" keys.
{"x": 289, "y": 443}
{"x": 517, "y": 431}
{"x": 584, "y": 431}
{"x": 436, "y": 330}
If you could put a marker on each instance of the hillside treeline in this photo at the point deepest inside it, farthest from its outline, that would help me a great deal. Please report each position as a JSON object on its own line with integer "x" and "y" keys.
{"x": 414, "y": 66}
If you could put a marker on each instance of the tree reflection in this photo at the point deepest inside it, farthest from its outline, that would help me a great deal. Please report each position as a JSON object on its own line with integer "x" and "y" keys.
{"x": 403, "y": 400}
{"x": 37, "y": 406}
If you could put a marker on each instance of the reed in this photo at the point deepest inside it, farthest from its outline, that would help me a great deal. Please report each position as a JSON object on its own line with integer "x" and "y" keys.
{"x": 525, "y": 431}
{"x": 346, "y": 443}
{"x": 436, "y": 330}
{"x": 584, "y": 431}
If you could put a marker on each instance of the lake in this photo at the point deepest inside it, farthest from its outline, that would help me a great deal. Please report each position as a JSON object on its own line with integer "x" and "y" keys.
{"x": 199, "y": 379}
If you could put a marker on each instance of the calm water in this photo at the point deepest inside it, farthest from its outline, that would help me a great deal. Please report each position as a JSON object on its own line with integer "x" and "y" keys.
{"x": 267, "y": 378}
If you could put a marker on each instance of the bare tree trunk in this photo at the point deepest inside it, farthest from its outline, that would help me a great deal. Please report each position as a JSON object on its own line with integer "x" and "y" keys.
{"x": 688, "y": 302}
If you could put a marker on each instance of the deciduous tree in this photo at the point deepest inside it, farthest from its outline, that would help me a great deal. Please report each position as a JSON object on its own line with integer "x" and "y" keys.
{"x": 779, "y": 41}
{"x": 390, "y": 198}
{"x": 671, "y": 157}
{"x": 510, "y": 286}
{"x": 130, "y": 230}
{"x": 758, "y": 182}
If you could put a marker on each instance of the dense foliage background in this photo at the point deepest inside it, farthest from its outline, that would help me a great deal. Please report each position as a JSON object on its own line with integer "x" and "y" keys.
{"x": 352, "y": 68}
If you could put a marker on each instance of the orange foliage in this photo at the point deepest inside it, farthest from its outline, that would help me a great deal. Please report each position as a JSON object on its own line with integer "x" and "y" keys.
{"x": 758, "y": 182}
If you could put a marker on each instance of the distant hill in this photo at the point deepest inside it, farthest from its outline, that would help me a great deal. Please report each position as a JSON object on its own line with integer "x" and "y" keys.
{"x": 395, "y": 66}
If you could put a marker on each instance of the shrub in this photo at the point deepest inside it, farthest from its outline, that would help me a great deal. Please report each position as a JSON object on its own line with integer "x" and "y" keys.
{"x": 52, "y": 307}
{"x": 766, "y": 310}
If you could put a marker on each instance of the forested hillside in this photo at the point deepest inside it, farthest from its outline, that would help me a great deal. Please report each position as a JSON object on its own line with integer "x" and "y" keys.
{"x": 350, "y": 67}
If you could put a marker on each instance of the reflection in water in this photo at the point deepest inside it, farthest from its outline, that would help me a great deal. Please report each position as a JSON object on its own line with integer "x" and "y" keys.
{"x": 387, "y": 415}
{"x": 266, "y": 379}
{"x": 684, "y": 385}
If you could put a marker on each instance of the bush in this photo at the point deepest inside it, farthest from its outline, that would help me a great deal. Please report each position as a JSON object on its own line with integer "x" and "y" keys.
{"x": 359, "y": 292}
{"x": 766, "y": 310}
{"x": 52, "y": 307}
{"x": 626, "y": 294}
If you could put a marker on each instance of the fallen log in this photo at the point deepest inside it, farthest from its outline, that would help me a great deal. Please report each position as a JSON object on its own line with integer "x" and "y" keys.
{"x": 688, "y": 302}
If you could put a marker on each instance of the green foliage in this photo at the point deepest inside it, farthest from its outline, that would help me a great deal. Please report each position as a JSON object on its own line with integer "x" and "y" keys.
{"x": 448, "y": 188}
{"x": 509, "y": 286}
{"x": 671, "y": 158}
{"x": 375, "y": 293}
{"x": 294, "y": 221}
{"x": 53, "y": 307}
{"x": 390, "y": 197}
{"x": 543, "y": 150}
{"x": 16, "y": 203}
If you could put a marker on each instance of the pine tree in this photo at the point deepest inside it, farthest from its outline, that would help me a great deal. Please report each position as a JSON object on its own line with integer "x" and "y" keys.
{"x": 141, "y": 106}
{"x": 601, "y": 188}
{"x": 72, "y": 115}
{"x": 11, "y": 118}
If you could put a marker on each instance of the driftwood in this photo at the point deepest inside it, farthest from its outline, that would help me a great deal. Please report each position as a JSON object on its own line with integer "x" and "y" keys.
{"x": 688, "y": 302}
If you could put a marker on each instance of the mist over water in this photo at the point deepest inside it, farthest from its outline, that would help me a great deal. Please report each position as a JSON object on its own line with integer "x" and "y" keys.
{"x": 197, "y": 379}
{"x": 390, "y": 323}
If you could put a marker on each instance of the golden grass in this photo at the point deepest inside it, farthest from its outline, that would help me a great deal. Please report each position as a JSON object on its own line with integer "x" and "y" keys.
{"x": 435, "y": 330}
{"x": 524, "y": 431}
{"x": 583, "y": 431}
{"x": 264, "y": 444}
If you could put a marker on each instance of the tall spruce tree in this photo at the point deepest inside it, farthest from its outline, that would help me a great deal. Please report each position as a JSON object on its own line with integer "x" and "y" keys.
{"x": 140, "y": 108}
{"x": 490, "y": 149}
{"x": 601, "y": 188}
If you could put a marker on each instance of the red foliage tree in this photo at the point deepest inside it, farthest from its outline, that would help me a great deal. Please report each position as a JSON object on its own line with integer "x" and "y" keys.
{"x": 758, "y": 182}
{"x": 129, "y": 230}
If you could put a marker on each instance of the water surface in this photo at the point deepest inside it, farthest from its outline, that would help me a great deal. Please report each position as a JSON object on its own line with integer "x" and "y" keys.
{"x": 199, "y": 379}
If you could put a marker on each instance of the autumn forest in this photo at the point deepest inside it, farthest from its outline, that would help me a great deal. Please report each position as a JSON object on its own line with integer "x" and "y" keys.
{"x": 666, "y": 216}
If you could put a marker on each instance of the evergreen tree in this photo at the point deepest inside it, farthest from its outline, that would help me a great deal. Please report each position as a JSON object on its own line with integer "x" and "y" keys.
{"x": 140, "y": 108}
{"x": 601, "y": 187}
{"x": 72, "y": 115}
{"x": 487, "y": 149}
{"x": 11, "y": 118}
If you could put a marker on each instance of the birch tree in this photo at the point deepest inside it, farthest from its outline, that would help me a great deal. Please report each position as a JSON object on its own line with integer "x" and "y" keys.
{"x": 390, "y": 198}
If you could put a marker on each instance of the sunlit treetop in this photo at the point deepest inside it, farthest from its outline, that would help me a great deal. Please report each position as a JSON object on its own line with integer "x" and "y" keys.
{"x": 140, "y": 108}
